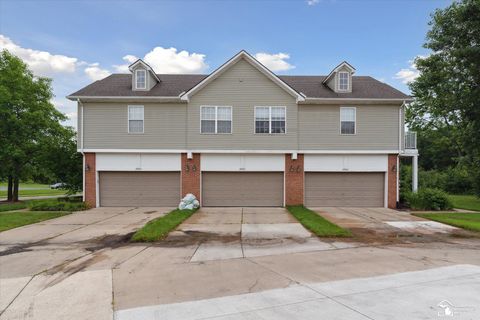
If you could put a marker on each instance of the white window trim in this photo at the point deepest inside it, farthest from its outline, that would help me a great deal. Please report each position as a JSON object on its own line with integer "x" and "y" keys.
{"x": 136, "y": 79}
{"x": 348, "y": 80}
{"x": 269, "y": 120}
{"x": 128, "y": 119}
{"x": 355, "y": 121}
{"x": 216, "y": 119}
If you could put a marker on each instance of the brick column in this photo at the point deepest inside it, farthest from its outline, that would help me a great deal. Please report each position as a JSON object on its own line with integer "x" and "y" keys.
{"x": 392, "y": 181}
{"x": 191, "y": 175}
{"x": 90, "y": 180}
{"x": 294, "y": 180}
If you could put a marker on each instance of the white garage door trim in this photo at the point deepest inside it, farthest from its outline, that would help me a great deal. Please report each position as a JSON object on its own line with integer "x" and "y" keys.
{"x": 350, "y": 162}
{"x": 243, "y": 162}
{"x": 138, "y": 162}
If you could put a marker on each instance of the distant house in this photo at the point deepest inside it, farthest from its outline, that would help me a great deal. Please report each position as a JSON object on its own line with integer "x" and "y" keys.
{"x": 241, "y": 136}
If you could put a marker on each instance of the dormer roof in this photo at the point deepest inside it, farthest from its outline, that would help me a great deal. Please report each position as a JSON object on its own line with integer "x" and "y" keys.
{"x": 339, "y": 67}
{"x": 145, "y": 65}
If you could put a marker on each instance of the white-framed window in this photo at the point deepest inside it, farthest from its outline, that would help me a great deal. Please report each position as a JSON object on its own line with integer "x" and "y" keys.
{"x": 135, "y": 119}
{"x": 215, "y": 119}
{"x": 343, "y": 78}
{"x": 348, "y": 119}
{"x": 140, "y": 79}
{"x": 270, "y": 120}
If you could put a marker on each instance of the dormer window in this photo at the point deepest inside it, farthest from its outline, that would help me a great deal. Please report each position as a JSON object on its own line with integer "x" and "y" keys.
{"x": 140, "y": 79}
{"x": 343, "y": 78}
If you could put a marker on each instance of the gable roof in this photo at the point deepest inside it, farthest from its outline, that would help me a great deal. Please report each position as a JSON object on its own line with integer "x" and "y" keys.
{"x": 341, "y": 65}
{"x": 255, "y": 63}
{"x": 172, "y": 85}
{"x": 146, "y": 66}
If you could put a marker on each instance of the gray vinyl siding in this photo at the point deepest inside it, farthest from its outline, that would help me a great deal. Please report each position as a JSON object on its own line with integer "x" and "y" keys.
{"x": 376, "y": 128}
{"x": 243, "y": 87}
{"x": 106, "y": 126}
{"x": 150, "y": 80}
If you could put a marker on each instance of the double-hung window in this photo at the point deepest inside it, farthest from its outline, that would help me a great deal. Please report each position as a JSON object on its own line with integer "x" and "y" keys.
{"x": 343, "y": 78}
{"x": 270, "y": 120}
{"x": 135, "y": 119}
{"x": 140, "y": 79}
{"x": 348, "y": 116}
{"x": 216, "y": 119}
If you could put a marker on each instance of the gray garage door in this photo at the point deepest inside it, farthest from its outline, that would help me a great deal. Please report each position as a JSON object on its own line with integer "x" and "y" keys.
{"x": 242, "y": 189}
{"x": 139, "y": 189}
{"x": 344, "y": 189}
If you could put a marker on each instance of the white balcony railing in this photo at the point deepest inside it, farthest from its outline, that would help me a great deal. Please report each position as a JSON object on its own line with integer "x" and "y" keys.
{"x": 410, "y": 140}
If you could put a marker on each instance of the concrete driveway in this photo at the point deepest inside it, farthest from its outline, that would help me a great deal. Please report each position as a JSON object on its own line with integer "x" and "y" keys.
{"x": 226, "y": 233}
{"x": 383, "y": 222}
{"x": 80, "y": 267}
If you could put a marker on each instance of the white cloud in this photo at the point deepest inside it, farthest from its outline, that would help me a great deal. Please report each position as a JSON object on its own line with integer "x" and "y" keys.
{"x": 94, "y": 72}
{"x": 164, "y": 60}
{"x": 42, "y": 63}
{"x": 274, "y": 62}
{"x": 409, "y": 74}
{"x": 312, "y": 2}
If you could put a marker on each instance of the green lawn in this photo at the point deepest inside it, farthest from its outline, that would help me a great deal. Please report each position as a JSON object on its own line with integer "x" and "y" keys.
{"x": 10, "y": 220}
{"x": 159, "y": 228}
{"x": 467, "y": 202}
{"x": 25, "y": 190}
{"x": 316, "y": 223}
{"x": 468, "y": 221}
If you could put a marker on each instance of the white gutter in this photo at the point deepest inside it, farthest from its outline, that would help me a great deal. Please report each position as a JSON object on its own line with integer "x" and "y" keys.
{"x": 172, "y": 98}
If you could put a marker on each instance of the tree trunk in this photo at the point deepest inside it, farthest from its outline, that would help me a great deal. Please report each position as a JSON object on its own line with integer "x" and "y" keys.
{"x": 15, "y": 189}
{"x": 10, "y": 189}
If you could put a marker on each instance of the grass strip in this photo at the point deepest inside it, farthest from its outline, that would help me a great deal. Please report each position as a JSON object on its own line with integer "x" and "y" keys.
{"x": 467, "y": 221}
{"x": 159, "y": 228}
{"x": 316, "y": 223}
{"x": 10, "y": 220}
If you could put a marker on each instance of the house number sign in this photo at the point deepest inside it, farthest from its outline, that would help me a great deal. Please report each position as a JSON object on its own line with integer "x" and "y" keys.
{"x": 189, "y": 168}
{"x": 296, "y": 169}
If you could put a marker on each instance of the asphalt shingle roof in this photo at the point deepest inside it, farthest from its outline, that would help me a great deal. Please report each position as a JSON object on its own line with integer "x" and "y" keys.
{"x": 172, "y": 85}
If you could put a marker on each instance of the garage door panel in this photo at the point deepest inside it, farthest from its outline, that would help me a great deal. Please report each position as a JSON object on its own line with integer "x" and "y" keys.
{"x": 135, "y": 189}
{"x": 345, "y": 189}
{"x": 223, "y": 189}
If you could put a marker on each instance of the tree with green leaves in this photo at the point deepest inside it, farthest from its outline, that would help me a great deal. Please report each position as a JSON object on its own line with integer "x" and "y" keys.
{"x": 30, "y": 125}
{"x": 447, "y": 91}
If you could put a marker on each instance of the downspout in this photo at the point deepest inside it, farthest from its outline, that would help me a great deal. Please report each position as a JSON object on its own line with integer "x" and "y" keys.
{"x": 81, "y": 147}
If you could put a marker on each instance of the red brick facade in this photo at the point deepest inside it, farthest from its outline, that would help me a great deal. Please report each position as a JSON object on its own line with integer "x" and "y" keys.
{"x": 90, "y": 180}
{"x": 294, "y": 180}
{"x": 392, "y": 181}
{"x": 191, "y": 175}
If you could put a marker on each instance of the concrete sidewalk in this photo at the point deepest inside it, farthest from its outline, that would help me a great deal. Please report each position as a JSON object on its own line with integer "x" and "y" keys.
{"x": 410, "y": 295}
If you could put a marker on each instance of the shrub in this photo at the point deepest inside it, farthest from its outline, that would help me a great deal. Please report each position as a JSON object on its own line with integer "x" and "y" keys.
{"x": 429, "y": 199}
{"x": 458, "y": 180}
{"x": 54, "y": 205}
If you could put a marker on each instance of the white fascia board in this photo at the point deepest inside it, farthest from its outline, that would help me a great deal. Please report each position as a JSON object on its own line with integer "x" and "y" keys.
{"x": 254, "y": 62}
{"x": 239, "y": 151}
{"x": 125, "y": 98}
{"x": 355, "y": 100}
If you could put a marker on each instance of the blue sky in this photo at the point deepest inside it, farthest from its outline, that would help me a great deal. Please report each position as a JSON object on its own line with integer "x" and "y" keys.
{"x": 77, "y": 41}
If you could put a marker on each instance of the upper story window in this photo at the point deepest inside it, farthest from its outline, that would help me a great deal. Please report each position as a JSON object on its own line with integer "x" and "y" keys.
{"x": 343, "y": 78}
{"x": 348, "y": 117}
{"x": 215, "y": 119}
{"x": 270, "y": 120}
{"x": 135, "y": 119}
{"x": 140, "y": 79}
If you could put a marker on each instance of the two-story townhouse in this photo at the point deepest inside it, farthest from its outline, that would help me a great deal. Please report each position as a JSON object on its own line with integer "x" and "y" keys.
{"x": 241, "y": 136}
